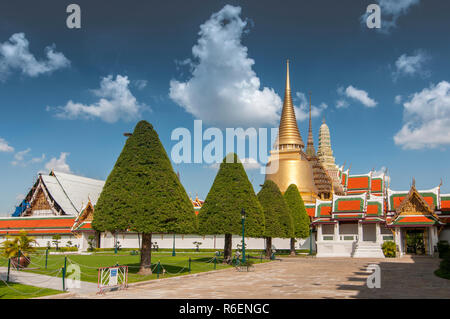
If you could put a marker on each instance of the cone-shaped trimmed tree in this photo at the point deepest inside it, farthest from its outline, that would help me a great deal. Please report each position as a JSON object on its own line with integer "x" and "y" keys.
{"x": 230, "y": 193}
{"x": 300, "y": 218}
{"x": 143, "y": 194}
{"x": 277, "y": 214}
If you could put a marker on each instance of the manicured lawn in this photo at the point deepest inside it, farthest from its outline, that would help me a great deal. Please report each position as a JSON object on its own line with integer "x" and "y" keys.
{"x": 89, "y": 264}
{"x": 18, "y": 291}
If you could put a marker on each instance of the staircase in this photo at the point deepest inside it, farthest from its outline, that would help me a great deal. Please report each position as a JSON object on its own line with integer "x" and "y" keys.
{"x": 368, "y": 249}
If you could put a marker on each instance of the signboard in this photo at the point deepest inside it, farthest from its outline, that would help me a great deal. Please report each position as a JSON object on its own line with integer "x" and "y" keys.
{"x": 112, "y": 277}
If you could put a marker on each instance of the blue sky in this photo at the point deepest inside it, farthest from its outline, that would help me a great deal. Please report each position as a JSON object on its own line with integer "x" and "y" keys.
{"x": 68, "y": 95}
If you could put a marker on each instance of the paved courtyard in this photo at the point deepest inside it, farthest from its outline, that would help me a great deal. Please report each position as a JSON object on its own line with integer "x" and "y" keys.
{"x": 303, "y": 277}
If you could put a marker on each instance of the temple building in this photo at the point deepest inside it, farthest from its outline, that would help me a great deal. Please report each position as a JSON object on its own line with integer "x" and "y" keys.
{"x": 351, "y": 215}
{"x": 354, "y": 214}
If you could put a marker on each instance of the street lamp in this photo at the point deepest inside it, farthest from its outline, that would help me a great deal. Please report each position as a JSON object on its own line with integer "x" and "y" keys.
{"x": 173, "y": 250}
{"x": 243, "y": 234}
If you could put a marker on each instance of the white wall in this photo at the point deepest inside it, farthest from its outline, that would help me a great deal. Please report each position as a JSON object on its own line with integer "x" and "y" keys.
{"x": 43, "y": 239}
{"x": 130, "y": 240}
{"x": 445, "y": 234}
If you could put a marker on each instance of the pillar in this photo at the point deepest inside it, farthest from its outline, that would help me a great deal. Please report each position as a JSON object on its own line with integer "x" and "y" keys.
{"x": 336, "y": 232}
{"x": 398, "y": 240}
{"x": 378, "y": 233}
{"x": 319, "y": 232}
{"x": 360, "y": 232}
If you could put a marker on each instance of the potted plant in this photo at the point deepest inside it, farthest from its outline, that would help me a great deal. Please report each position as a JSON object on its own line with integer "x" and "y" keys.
{"x": 18, "y": 244}
{"x": 197, "y": 244}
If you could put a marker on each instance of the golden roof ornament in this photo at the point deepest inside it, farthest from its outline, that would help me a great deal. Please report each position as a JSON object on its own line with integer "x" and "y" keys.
{"x": 288, "y": 133}
{"x": 310, "y": 151}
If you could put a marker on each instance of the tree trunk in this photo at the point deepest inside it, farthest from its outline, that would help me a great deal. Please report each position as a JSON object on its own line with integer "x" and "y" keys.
{"x": 227, "y": 250}
{"x": 268, "y": 247}
{"x": 293, "y": 247}
{"x": 146, "y": 255}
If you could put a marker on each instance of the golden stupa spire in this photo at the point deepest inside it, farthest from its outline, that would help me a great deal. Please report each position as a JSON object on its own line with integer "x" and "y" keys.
{"x": 310, "y": 151}
{"x": 288, "y": 134}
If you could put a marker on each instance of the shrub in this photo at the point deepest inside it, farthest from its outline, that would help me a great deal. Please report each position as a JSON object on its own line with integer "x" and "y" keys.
{"x": 65, "y": 249}
{"x": 443, "y": 248}
{"x": 389, "y": 249}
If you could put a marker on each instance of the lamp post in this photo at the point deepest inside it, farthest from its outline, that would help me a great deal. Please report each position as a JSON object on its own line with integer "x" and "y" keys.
{"x": 310, "y": 240}
{"x": 243, "y": 234}
{"x": 173, "y": 250}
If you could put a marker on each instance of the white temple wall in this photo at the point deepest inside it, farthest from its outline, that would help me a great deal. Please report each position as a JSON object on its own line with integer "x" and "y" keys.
{"x": 445, "y": 234}
{"x": 42, "y": 240}
{"x": 131, "y": 240}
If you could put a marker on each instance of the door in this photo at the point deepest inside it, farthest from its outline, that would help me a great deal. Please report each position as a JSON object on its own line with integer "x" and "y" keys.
{"x": 415, "y": 243}
{"x": 369, "y": 232}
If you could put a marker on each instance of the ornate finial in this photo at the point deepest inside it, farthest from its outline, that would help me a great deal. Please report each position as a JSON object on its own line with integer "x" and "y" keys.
{"x": 413, "y": 182}
{"x": 440, "y": 183}
{"x": 323, "y": 119}
{"x": 310, "y": 151}
{"x": 288, "y": 80}
{"x": 288, "y": 133}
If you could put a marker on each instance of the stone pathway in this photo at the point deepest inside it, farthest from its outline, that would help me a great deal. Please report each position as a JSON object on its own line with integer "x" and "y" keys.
{"x": 44, "y": 281}
{"x": 300, "y": 278}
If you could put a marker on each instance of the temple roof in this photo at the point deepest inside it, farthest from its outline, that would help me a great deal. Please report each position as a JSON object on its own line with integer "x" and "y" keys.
{"x": 71, "y": 192}
{"x": 36, "y": 225}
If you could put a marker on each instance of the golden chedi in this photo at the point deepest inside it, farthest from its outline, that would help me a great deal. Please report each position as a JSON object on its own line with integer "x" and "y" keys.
{"x": 288, "y": 164}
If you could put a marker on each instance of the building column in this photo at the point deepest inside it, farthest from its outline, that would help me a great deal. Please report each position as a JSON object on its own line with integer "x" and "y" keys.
{"x": 398, "y": 240}
{"x": 378, "y": 233}
{"x": 336, "y": 232}
{"x": 360, "y": 232}
{"x": 319, "y": 232}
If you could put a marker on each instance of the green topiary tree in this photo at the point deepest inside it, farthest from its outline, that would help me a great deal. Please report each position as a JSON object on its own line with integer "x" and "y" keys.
{"x": 277, "y": 214}
{"x": 143, "y": 194}
{"x": 300, "y": 218}
{"x": 230, "y": 193}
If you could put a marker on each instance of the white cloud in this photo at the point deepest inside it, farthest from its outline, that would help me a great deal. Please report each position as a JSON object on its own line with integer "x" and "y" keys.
{"x": 380, "y": 172}
{"x": 140, "y": 84}
{"x": 391, "y": 10}
{"x": 223, "y": 88}
{"x": 341, "y": 104}
{"x": 360, "y": 95}
{"x": 19, "y": 157}
{"x": 115, "y": 102}
{"x": 20, "y": 197}
{"x": 15, "y": 54}
{"x": 398, "y": 99}
{"x": 426, "y": 119}
{"x": 410, "y": 65}
{"x": 35, "y": 160}
{"x": 5, "y": 147}
{"x": 302, "y": 111}
{"x": 58, "y": 164}
{"x": 356, "y": 94}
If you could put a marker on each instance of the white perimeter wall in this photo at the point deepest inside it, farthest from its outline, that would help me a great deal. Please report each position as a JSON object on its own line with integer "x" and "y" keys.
{"x": 208, "y": 242}
{"x": 131, "y": 240}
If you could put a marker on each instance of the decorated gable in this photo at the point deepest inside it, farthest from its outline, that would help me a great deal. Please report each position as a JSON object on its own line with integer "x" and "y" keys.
{"x": 414, "y": 210}
{"x": 431, "y": 197}
{"x": 395, "y": 198}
